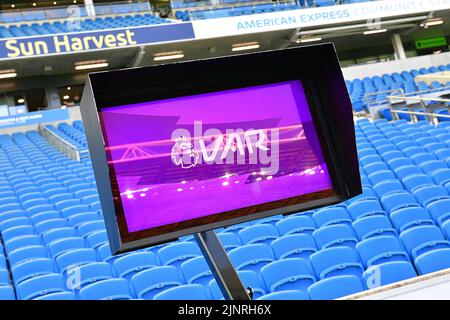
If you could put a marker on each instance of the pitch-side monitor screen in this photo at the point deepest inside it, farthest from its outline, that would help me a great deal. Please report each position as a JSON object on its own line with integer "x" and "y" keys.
{"x": 187, "y": 147}
{"x": 217, "y": 155}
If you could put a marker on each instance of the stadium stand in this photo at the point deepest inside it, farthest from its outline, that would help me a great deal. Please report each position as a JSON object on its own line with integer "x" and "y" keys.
{"x": 380, "y": 87}
{"x": 234, "y": 8}
{"x": 51, "y": 224}
{"x": 88, "y": 24}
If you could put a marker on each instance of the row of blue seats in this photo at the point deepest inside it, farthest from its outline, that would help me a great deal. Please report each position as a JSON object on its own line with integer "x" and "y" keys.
{"x": 62, "y": 13}
{"x": 358, "y": 88}
{"x": 89, "y": 24}
{"x": 235, "y": 8}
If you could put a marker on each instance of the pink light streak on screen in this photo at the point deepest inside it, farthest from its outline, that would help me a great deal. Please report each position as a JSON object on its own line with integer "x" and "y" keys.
{"x": 156, "y": 192}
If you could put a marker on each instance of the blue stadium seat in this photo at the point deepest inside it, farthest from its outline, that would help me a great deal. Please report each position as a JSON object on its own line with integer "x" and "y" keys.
{"x": 33, "y": 268}
{"x": 184, "y": 292}
{"x": 90, "y": 273}
{"x": 387, "y": 273}
{"x": 439, "y": 210}
{"x": 229, "y": 240}
{"x": 27, "y": 253}
{"x": 288, "y": 274}
{"x": 110, "y": 289}
{"x": 261, "y": 233}
{"x": 251, "y": 257}
{"x": 128, "y": 265}
{"x": 176, "y": 253}
{"x": 407, "y": 218}
{"x": 152, "y": 281}
{"x": 333, "y": 215}
{"x": 296, "y": 224}
{"x": 414, "y": 181}
{"x": 249, "y": 279}
{"x": 365, "y": 208}
{"x": 197, "y": 271}
{"x": 373, "y": 226}
{"x": 398, "y": 200}
{"x": 294, "y": 246}
{"x": 430, "y": 193}
{"x": 335, "y": 287}
{"x": 40, "y": 286}
{"x": 335, "y": 235}
{"x": 433, "y": 261}
{"x": 422, "y": 239}
{"x": 381, "y": 249}
{"x": 72, "y": 258}
{"x": 336, "y": 261}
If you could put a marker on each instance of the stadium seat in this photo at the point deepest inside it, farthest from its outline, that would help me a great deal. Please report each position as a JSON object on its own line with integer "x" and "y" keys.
{"x": 433, "y": 261}
{"x": 365, "y": 208}
{"x": 387, "y": 273}
{"x": 422, "y": 239}
{"x": 262, "y": 233}
{"x": 335, "y": 235}
{"x": 197, "y": 271}
{"x": 336, "y": 261}
{"x": 288, "y": 274}
{"x": 251, "y": 257}
{"x": 373, "y": 226}
{"x": 249, "y": 279}
{"x": 31, "y": 269}
{"x": 439, "y": 210}
{"x": 398, "y": 200}
{"x": 152, "y": 281}
{"x": 328, "y": 216}
{"x": 40, "y": 286}
{"x": 128, "y": 265}
{"x": 90, "y": 273}
{"x": 110, "y": 289}
{"x": 377, "y": 250}
{"x": 335, "y": 287}
{"x": 430, "y": 193}
{"x": 175, "y": 254}
{"x": 296, "y": 224}
{"x": 184, "y": 292}
{"x": 406, "y": 218}
{"x": 381, "y": 176}
{"x": 294, "y": 246}
{"x": 72, "y": 258}
{"x": 229, "y": 240}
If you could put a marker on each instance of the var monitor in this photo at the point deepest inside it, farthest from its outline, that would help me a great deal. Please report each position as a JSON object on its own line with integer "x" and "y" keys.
{"x": 189, "y": 147}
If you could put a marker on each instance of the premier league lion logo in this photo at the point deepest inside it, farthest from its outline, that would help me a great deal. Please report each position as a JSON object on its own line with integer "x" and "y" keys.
{"x": 184, "y": 153}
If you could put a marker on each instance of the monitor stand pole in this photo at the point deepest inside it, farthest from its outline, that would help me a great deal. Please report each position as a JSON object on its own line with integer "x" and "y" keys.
{"x": 221, "y": 267}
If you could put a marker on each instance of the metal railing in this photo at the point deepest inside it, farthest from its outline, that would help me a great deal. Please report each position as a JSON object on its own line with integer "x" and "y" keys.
{"x": 374, "y": 102}
{"x": 431, "y": 116}
{"x": 63, "y": 145}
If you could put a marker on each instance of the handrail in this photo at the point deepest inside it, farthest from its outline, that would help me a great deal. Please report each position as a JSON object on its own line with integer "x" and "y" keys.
{"x": 370, "y": 103}
{"x": 419, "y": 113}
{"x": 432, "y": 90}
{"x": 404, "y": 98}
{"x": 62, "y": 144}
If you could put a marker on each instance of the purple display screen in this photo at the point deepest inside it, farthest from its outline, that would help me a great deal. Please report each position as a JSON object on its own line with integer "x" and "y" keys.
{"x": 212, "y": 154}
